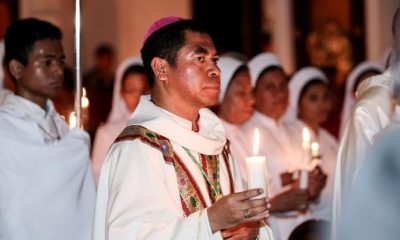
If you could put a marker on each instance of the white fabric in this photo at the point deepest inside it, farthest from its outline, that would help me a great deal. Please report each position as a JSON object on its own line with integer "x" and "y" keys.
{"x": 3, "y": 90}
{"x": 328, "y": 148}
{"x": 283, "y": 153}
{"x": 296, "y": 84}
{"x": 349, "y": 100}
{"x": 138, "y": 195}
{"x": 238, "y": 146}
{"x": 228, "y": 66}
{"x": 260, "y": 62}
{"x": 371, "y": 211}
{"x": 116, "y": 122}
{"x": 47, "y": 190}
{"x": 369, "y": 115}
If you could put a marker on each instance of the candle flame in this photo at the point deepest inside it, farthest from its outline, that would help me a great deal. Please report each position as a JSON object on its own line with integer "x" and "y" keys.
{"x": 314, "y": 147}
{"x": 256, "y": 142}
{"x": 72, "y": 120}
{"x": 306, "y": 135}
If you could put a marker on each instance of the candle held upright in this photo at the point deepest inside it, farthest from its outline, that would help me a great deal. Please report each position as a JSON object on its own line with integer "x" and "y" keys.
{"x": 256, "y": 168}
{"x": 306, "y": 159}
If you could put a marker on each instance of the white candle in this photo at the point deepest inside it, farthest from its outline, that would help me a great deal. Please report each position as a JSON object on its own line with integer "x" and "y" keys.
{"x": 306, "y": 159}
{"x": 72, "y": 120}
{"x": 256, "y": 168}
{"x": 314, "y": 150}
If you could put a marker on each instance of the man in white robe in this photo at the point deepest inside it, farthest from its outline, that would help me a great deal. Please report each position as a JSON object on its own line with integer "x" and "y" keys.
{"x": 169, "y": 174}
{"x": 370, "y": 115}
{"x": 47, "y": 188}
{"x": 371, "y": 209}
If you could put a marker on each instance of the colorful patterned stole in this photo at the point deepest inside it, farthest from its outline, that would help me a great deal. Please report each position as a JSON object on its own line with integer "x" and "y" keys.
{"x": 192, "y": 199}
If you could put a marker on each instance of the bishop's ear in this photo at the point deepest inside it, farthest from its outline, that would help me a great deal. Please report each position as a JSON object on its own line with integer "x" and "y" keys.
{"x": 159, "y": 67}
{"x": 15, "y": 68}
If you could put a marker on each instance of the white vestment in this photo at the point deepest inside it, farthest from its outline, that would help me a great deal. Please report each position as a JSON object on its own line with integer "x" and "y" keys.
{"x": 371, "y": 209}
{"x": 116, "y": 121}
{"x": 369, "y": 116}
{"x": 47, "y": 188}
{"x": 138, "y": 192}
{"x": 328, "y": 148}
{"x": 282, "y": 154}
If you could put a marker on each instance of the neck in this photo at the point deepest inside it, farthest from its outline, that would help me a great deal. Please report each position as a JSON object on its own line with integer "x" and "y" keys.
{"x": 182, "y": 110}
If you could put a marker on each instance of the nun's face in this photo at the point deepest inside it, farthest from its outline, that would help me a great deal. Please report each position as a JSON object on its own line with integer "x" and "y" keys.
{"x": 271, "y": 94}
{"x": 315, "y": 104}
{"x": 134, "y": 85}
{"x": 237, "y": 105}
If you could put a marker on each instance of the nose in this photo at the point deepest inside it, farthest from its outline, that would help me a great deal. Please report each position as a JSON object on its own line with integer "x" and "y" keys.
{"x": 58, "y": 70}
{"x": 214, "y": 71}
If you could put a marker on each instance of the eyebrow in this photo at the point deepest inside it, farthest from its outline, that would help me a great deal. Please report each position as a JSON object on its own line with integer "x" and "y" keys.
{"x": 201, "y": 50}
{"x": 52, "y": 56}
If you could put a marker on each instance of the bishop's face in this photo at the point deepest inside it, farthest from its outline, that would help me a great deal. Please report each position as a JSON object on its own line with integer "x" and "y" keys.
{"x": 196, "y": 77}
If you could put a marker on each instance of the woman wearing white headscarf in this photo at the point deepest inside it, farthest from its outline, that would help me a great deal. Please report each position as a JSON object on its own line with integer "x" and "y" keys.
{"x": 309, "y": 107}
{"x": 130, "y": 83}
{"x": 235, "y": 105}
{"x": 362, "y": 71}
{"x": 288, "y": 202}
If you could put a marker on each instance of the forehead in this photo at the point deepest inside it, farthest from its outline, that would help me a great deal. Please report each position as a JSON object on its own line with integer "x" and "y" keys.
{"x": 199, "y": 43}
{"x": 47, "y": 47}
{"x": 273, "y": 76}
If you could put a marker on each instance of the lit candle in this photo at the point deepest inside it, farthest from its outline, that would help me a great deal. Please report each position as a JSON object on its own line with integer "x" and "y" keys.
{"x": 72, "y": 120}
{"x": 256, "y": 168}
{"x": 306, "y": 159}
{"x": 314, "y": 150}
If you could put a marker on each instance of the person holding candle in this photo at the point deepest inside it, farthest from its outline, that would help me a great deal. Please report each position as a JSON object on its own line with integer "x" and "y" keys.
{"x": 130, "y": 84}
{"x": 47, "y": 189}
{"x": 235, "y": 105}
{"x": 288, "y": 202}
{"x": 309, "y": 107}
{"x": 169, "y": 174}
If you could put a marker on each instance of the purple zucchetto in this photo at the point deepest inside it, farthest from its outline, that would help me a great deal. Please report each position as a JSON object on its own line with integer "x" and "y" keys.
{"x": 160, "y": 24}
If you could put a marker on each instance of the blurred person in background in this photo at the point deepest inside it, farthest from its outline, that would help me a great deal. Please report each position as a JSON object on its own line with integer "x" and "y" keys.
{"x": 130, "y": 84}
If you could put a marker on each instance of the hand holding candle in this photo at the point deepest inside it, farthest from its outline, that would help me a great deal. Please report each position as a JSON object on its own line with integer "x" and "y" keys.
{"x": 256, "y": 168}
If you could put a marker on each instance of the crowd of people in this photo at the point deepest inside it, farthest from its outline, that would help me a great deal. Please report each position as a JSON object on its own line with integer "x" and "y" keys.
{"x": 165, "y": 152}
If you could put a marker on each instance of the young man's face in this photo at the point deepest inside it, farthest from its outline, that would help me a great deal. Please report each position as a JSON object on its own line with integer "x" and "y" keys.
{"x": 196, "y": 78}
{"x": 42, "y": 78}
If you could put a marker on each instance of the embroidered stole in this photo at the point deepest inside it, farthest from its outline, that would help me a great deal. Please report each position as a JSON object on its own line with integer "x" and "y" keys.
{"x": 192, "y": 199}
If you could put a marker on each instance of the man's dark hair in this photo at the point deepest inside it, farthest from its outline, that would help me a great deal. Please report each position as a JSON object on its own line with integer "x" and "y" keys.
{"x": 21, "y": 36}
{"x": 166, "y": 42}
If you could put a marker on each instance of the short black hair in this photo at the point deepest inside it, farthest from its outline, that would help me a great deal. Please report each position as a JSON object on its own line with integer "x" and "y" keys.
{"x": 22, "y": 34}
{"x": 166, "y": 42}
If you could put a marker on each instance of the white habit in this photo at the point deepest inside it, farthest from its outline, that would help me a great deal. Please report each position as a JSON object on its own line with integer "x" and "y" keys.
{"x": 282, "y": 154}
{"x": 116, "y": 121}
